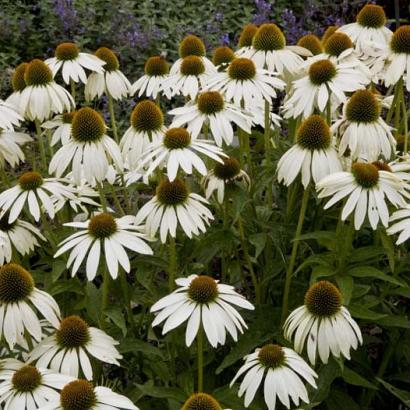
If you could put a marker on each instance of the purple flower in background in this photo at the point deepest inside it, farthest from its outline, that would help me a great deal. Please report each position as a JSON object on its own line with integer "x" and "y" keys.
{"x": 263, "y": 11}
{"x": 67, "y": 14}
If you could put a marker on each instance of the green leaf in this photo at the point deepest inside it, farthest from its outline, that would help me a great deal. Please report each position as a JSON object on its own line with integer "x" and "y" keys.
{"x": 394, "y": 321}
{"x": 402, "y": 395}
{"x": 371, "y": 272}
{"x": 339, "y": 400}
{"x": 351, "y": 377}
{"x": 326, "y": 376}
{"x": 258, "y": 240}
{"x": 361, "y": 312}
{"x": 117, "y": 317}
{"x": 388, "y": 245}
{"x": 59, "y": 267}
{"x": 324, "y": 238}
{"x": 320, "y": 272}
{"x": 345, "y": 284}
{"x": 131, "y": 345}
{"x": 162, "y": 392}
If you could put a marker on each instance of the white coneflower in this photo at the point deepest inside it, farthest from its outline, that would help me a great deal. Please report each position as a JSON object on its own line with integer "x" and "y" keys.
{"x": 35, "y": 191}
{"x": 222, "y": 56}
{"x": 224, "y": 175}
{"x": 284, "y": 372}
{"x": 81, "y": 395}
{"x": 201, "y": 401}
{"x": 61, "y": 124}
{"x": 26, "y": 387}
{"x": 362, "y": 130}
{"x": 210, "y": 108}
{"x": 19, "y": 235}
{"x": 178, "y": 150}
{"x": 313, "y": 155}
{"x": 146, "y": 126}
{"x": 18, "y": 84}
{"x": 156, "y": 71}
{"x": 67, "y": 350}
{"x": 10, "y": 147}
{"x": 204, "y": 303}
{"x": 172, "y": 206}
{"x": 400, "y": 222}
{"x": 243, "y": 82}
{"x": 369, "y": 27}
{"x": 71, "y": 62}
{"x": 269, "y": 51}
{"x": 111, "y": 82}
{"x": 105, "y": 234}
{"x": 324, "y": 324}
{"x": 367, "y": 189}
{"x": 312, "y": 43}
{"x": 42, "y": 96}
{"x": 19, "y": 300}
{"x": 90, "y": 150}
{"x": 9, "y": 116}
{"x": 245, "y": 39}
{"x": 191, "y": 77}
{"x": 324, "y": 83}
{"x": 398, "y": 58}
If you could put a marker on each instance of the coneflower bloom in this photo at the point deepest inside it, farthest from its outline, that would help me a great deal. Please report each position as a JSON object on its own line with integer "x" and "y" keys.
{"x": 284, "y": 372}
{"x": 110, "y": 82}
{"x": 66, "y": 351}
{"x": 61, "y": 124}
{"x": 201, "y": 401}
{"x": 103, "y": 232}
{"x": 311, "y": 43}
{"x": 90, "y": 150}
{"x": 178, "y": 150}
{"x": 18, "y": 84}
{"x": 367, "y": 188}
{"x": 26, "y": 387}
{"x": 10, "y": 147}
{"x": 362, "y": 130}
{"x": 211, "y": 109}
{"x": 323, "y": 324}
{"x": 400, "y": 222}
{"x": 146, "y": 126}
{"x": 35, "y": 191}
{"x": 245, "y": 39}
{"x": 324, "y": 83}
{"x": 244, "y": 83}
{"x": 156, "y": 71}
{"x": 222, "y": 56}
{"x": 91, "y": 398}
{"x": 71, "y": 62}
{"x": 313, "y": 155}
{"x": 328, "y": 32}
{"x": 224, "y": 175}
{"x": 19, "y": 300}
{"x": 9, "y": 116}
{"x": 269, "y": 51}
{"x": 19, "y": 235}
{"x": 204, "y": 303}
{"x": 42, "y": 96}
{"x": 172, "y": 206}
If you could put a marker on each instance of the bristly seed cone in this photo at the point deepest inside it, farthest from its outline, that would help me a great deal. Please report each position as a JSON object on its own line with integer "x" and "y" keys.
{"x": 147, "y": 116}
{"x": 30, "y": 180}
{"x": 177, "y": 138}
{"x": 328, "y": 32}
{"x": 102, "y": 225}
{"x": 366, "y": 175}
{"x": 363, "y": 107}
{"x": 314, "y": 133}
{"x": 156, "y": 66}
{"x": 26, "y": 379}
{"x": 201, "y": 401}
{"x": 37, "y": 73}
{"x": 73, "y": 333}
{"x": 111, "y": 60}
{"x": 16, "y": 283}
{"x": 311, "y": 43}
{"x": 203, "y": 289}
{"x": 321, "y": 72}
{"x": 337, "y": 43}
{"x": 271, "y": 356}
{"x": 400, "y": 41}
{"x": 269, "y": 37}
{"x": 228, "y": 170}
{"x": 172, "y": 193}
{"x": 242, "y": 69}
{"x": 17, "y": 80}
{"x": 323, "y": 299}
{"x": 382, "y": 166}
{"x": 192, "y": 65}
{"x": 222, "y": 55}
{"x": 68, "y": 117}
{"x": 67, "y": 51}
{"x": 246, "y": 37}
{"x": 78, "y": 395}
{"x": 371, "y": 16}
{"x": 87, "y": 125}
{"x": 191, "y": 46}
{"x": 210, "y": 102}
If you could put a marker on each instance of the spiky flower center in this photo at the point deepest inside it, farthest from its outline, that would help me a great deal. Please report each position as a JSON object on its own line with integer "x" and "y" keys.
{"x": 311, "y": 43}
{"x": 102, "y": 225}
{"x": 73, "y": 333}
{"x": 203, "y": 289}
{"x": 37, "y": 73}
{"x": 68, "y": 117}
{"x": 323, "y": 299}
{"x": 227, "y": 170}
{"x": 67, "y": 51}
{"x": 247, "y": 35}
{"x": 382, "y": 166}
{"x": 400, "y": 41}
{"x": 201, "y": 401}
{"x": 111, "y": 60}
{"x": 192, "y": 65}
{"x": 363, "y": 107}
{"x": 366, "y": 175}
{"x": 371, "y": 16}
{"x": 176, "y": 138}
{"x": 242, "y": 69}
{"x": 17, "y": 81}
{"x": 26, "y": 379}
{"x": 191, "y": 46}
{"x": 271, "y": 356}
{"x": 223, "y": 55}
{"x": 172, "y": 193}
{"x": 156, "y": 66}
{"x": 78, "y": 395}
{"x": 337, "y": 43}
{"x": 5, "y": 226}
{"x": 328, "y": 32}
{"x": 30, "y": 180}
{"x": 321, "y": 72}
{"x": 15, "y": 283}
{"x": 269, "y": 37}
{"x": 210, "y": 102}
{"x": 147, "y": 116}
{"x": 87, "y": 125}
{"x": 314, "y": 133}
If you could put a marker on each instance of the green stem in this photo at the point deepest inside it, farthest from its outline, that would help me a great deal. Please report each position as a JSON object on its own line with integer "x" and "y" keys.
{"x": 266, "y": 135}
{"x": 405, "y": 122}
{"x": 116, "y": 200}
{"x": 4, "y": 176}
{"x": 391, "y": 109}
{"x": 329, "y": 112}
{"x": 224, "y": 253}
{"x": 47, "y": 228}
{"x": 400, "y": 97}
{"x": 248, "y": 261}
{"x": 105, "y": 293}
{"x": 112, "y": 118}
{"x": 127, "y": 298}
{"x": 200, "y": 354}
{"x": 172, "y": 262}
{"x": 41, "y": 145}
{"x": 72, "y": 84}
{"x": 295, "y": 247}
{"x": 102, "y": 196}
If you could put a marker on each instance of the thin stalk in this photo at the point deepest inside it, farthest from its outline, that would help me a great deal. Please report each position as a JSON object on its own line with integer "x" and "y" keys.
{"x": 268, "y": 154}
{"x": 224, "y": 253}
{"x": 102, "y": 196}
{"x": 105, "y": 292}
{"x": 400, "y": 96}
{"x": 248, "y": 261}
{"x": 200, "y": 354}
{"x": 112, "y": 118}
{"x": 117, "y": 201}
{"x": 295, "y": 247}
{"x": 72, "y": 84}
{"x": 4, "y": 176}
{"x": 47, "y": 228}
{"x": 127, "y": 298}
{"x": 41, "y": 145}
{"x": 329, "y": 112}
{"x": 391, "y": 109}
{"x": 405, "y": 121}
{"x": 172, "y": 262}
